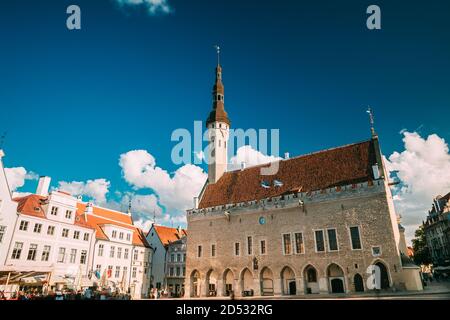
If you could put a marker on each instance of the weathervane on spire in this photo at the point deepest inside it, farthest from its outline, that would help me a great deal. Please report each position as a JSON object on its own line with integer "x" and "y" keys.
{"x": 218, "y": 53}
{"x": 372, "y": 121}
{"x": 129, "y": 206}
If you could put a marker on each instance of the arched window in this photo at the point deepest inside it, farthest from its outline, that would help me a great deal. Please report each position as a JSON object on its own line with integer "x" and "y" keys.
{"x": 312, "y": 275}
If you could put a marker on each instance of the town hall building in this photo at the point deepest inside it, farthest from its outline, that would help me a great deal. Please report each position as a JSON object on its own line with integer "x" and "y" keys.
{"x": 324, "y": 223}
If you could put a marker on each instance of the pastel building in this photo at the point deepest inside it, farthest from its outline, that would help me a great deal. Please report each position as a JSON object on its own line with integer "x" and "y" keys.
{"x": 160, "y": 239}
{"x": 121, "y": 256}
{"x": 8, "y": 213}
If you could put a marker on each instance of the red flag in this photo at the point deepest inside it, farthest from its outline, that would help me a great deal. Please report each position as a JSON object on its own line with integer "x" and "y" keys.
{"x": 109, "y": 273}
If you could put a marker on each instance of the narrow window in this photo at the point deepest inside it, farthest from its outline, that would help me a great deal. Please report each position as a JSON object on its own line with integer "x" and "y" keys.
{"x": 355, "y": 238}
{"x": 23, "y": 225}
{"x": 249, "y": 245}
{"x": 37, "y": 228}
{"x": 263, "y": 246}
{"x": 32, "y": 252}
{"x": 320, "y": 243}
{"x": 2, "y": 233}
{"x": 287, "y": 244}
{"x": 73, "y": 255}
{"x": 17, "y": 251}
{"x": 213, "y": 250}
{"x": 45, "y": 253}
{"x": 54, "y": 211}
{"x": 61, "y": 255}
{"x": 100, "y": 250}
{"x": 332, "y": 240}
{"x": 237, "y": 249}
{"x": 299, "y": 243}
{"x": 199, "y": 251}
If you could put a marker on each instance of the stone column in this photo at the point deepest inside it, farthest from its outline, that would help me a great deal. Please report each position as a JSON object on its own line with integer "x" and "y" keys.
{"x": 277, "y": 287}
{"x": 220, "y": 288}
{"x": 187, "y": 288}
{"x": 300, "y": 286}
{"x": 257, "y": 286}
{"x": 238, "y": 287}
{"x": 204, "y": 290}
{"x": 323, "y": 285}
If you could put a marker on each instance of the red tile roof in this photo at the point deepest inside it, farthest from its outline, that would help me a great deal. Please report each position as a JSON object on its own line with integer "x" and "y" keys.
{"x": 103, "y": 216}
{"x": 31, "y": 205}
{"x": 167, "y": 234}
{"x": 325, "y": 169}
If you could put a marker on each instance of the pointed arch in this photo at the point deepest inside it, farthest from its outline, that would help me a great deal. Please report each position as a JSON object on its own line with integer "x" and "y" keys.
{"x": 288, "y": 282}
{"x": 228, "y": 282}
{"x": 195, "y": 280}
{"x": 266, "y": 281}
{"x": 310, "y": 278}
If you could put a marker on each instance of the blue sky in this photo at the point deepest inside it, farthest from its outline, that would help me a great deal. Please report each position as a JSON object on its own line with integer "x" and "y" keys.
{"x": 73, "y": 101}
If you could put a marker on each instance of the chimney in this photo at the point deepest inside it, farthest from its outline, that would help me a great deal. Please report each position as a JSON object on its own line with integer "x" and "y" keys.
{"x": 43, "y": 185}
{"x": 243, "y": 165}
{"x": 286, "y": 155}
{"x": 87, "y": 210}
{"x": 195, "y": 202}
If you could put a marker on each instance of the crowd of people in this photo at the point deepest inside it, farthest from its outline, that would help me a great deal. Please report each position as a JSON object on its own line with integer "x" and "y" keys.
{"x": 87, "y": 294}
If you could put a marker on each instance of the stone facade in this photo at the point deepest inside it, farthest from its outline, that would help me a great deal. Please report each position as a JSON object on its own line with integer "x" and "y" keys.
{"x": 321, "y": 223}
{"x": 364, "y": 205}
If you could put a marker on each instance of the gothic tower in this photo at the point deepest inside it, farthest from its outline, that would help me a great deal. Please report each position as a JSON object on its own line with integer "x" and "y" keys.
{"x": 218, "y": 126}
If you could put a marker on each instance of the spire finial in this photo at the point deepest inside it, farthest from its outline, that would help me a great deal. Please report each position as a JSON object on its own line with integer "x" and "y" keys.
{"x": 129, "y": 206}
{"x": 372, "y": 121}
{"x": 218, "y": 53}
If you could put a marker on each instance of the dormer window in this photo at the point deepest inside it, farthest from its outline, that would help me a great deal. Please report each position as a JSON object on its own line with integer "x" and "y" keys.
{"x": 114, "y": 234}
{"x": 68, "y": 214}
{"x": 128, "y": 237}
{"x": 121, "y": 236}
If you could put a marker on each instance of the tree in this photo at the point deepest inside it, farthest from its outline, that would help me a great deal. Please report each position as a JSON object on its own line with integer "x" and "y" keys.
{"x": 421, "y": 251}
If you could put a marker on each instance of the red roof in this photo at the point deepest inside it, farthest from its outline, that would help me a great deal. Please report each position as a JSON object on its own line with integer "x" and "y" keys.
{"x": 31, "y": 205}
{"x": 168, "y": 235}
{"x": 345, "y": 165}
{"x": 103, "y": 216}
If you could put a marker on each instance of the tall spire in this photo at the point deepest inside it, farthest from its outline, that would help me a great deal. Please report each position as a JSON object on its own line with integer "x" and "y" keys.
{"x": 218, "y": 54}
{"x": 218, "y": 112}
{"x": 372, "y": 121}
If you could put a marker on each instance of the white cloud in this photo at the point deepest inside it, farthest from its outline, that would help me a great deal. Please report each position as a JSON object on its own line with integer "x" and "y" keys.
{"x": 424, "y": 171}
{"x": 153, "y": 6}
{"x": 250, "y": 156}
{"x": 17, "y": 177}
{"x": 145, "y": 225}
{"x": 175, "y": 193}
{"x": 93, "y": 189}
